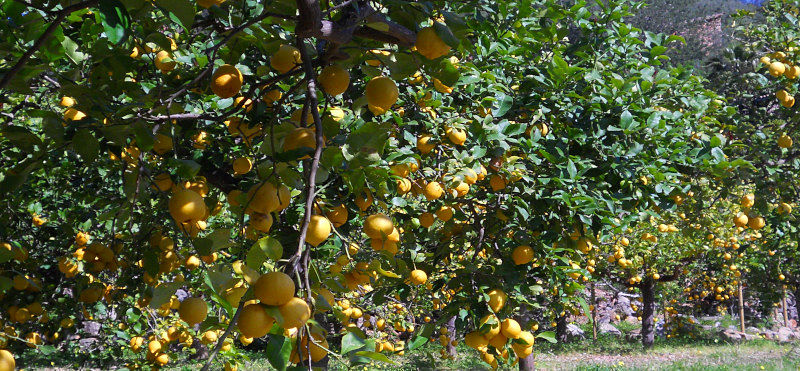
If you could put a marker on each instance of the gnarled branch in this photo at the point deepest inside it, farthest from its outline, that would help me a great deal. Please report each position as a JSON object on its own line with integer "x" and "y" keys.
{"x": 311, "y": 24}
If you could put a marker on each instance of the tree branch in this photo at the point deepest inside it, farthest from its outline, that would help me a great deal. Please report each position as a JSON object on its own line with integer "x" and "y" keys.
{"x": 404, "y": 36}
{"x": 311, "y": 100}
{"x": 222, "y": 338}
{"x": 311, "y": 24}
{"x": 60, "y": 15}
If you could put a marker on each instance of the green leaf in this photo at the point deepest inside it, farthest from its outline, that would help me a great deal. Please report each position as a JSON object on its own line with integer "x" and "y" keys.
{"x": 21, "y": 137}
{"x": 585, "y": 307}
{"x": 417, "y": 342}
{"x": 71, "y": 49}
{"x": 46, "y": 349}
{"x": 446, "y": 72}
{"x": 374, "y": 355}
{"x": 625, "y": 120}
{"x": 446, "y": 35}
{"x": 402, "y": 65}
{"x": 657, "y": 50}
{"x": 351, "y": 342}
{"x": 547, "y": 335}
{"x": 221, "y": 239}
{"x": 279, "y": 349}
{"x": 6, "y": 255}
{"x": 144, "y": 137}
{"x": 5, "y": 284}
{"x": 506, "y": 102}
{"x": 217, "y": 277}
{"x": 186, "y": 168}
{"x": 223, "y": 302}
{"x": 376, "y": 266}
{"x": 380, "y": 26}
{"x": 572, "y": 170}
{"x": 179, "y": 10}
{"x": 150, "y": 263}
{"x": 115, "y": 19}
{"x": 716, "y": 141}
{"x": 86, "y": 145}
{"x": 204, "y": 246}
{"x": 265, "y": 248}
{"x": 163, "y": 292}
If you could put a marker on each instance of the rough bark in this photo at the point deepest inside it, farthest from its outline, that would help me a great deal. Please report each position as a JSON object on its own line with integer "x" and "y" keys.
{"x": 648, "y": 312}
{"x": 528, "y": 363}
{"x": 311, "y": 24}
{"x": 451, "y": 331}
{"x": 594, "y": 312}
{"x": 561, "y": 329}
{"x": 741, "y": 306}
{"x": 784, "y": 309}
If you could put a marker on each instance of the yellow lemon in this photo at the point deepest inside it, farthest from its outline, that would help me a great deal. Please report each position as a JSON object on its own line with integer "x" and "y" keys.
{"x": 382, "y": 93}
{"x": 334, "y": 80}
{"x": 430, "y": 45}
{"x": 285, "y": 59}
{"x": 226, "y": 81}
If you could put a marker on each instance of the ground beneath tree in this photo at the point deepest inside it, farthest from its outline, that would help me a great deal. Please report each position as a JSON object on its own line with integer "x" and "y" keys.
{"x": 747, "y": 356}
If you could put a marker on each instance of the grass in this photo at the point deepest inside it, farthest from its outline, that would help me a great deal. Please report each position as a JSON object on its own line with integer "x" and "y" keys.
{"x": 674, "y": 355}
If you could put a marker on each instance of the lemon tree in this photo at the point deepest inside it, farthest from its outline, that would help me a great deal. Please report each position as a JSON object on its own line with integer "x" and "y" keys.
{"x": 766, "y": 63}
{"x": 328, "y": 182}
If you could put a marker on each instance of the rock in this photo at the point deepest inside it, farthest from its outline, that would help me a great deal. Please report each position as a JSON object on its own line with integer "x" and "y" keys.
{"x": 607, "y": 328}
{"x": 624, "y": 306}
{"x": 785, "y": 334}
{"x": 738, "y": 335}
{"x": 574, "y": 332}
{"x": 88, "y": 343}
{"x": 91, "y": 327}
{"x": 605, "y": 313}
{"x": 732, "y": 335}
{"x": 791, "y": 308}
{"x": 768, "y": 334}
{"x": 751, "y": 336}
{"x": 659, "y": 328}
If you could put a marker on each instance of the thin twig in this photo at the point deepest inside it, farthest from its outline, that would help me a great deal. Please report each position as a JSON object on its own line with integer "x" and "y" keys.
{"x": 311, "y": 99}
{"x": 225, "y": 335}
{"x": 60, "y": 15}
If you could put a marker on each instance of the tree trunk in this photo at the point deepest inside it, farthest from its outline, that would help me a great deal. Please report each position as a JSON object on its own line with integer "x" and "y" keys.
{"x": 528, "y": 363}
{"x": 783, "y": 307}
{"x": 648, "y": 310}
{"x": 451, "y": 331}
{"x": 526, "y": 315}
{"x": 594, "y": 313}
{"x": 561, "y": 329}
{"x": 741, "y": 307}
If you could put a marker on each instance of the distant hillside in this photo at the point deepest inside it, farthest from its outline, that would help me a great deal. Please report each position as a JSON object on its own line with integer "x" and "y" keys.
{"x": 701, "y": 22}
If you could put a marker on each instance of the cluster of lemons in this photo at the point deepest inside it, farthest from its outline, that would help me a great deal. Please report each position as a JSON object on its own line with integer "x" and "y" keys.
{"x": 497, "y": 334}
{"x": 778, "y": 64}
